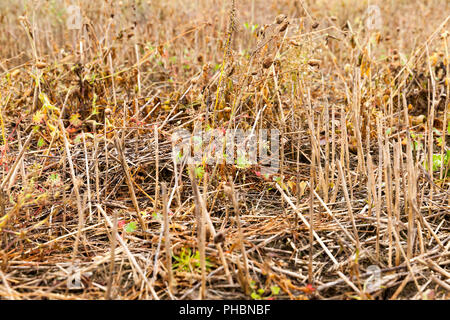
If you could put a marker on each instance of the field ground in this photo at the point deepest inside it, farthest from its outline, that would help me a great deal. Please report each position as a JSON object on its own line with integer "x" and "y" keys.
{"x": 359, "y": 91}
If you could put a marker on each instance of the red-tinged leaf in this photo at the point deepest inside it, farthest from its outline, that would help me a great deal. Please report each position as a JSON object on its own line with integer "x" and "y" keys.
{"x": 309, "y": 289}
{"x": 121, "y": 224}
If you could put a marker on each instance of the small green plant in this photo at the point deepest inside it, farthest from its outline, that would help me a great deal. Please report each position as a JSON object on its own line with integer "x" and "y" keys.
{"x": 416, "y": 144}
{"x": 251, "y": 27}
{"x": 258, "y": 293}
{"x": 242, "y": 162}
{"x": 54, "y": 179}
{"x": 199, "y": 172}
{"x": 130, "y": 227}
{"x": 188, "y": 261}
{"x": 439, "y": 161}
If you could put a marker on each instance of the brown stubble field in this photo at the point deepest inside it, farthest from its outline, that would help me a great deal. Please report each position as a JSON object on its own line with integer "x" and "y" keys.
{"x": 95, "y": 205}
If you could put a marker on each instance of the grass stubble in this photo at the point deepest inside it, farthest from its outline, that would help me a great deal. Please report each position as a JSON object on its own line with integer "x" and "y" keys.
{"x": 90, "y": 184}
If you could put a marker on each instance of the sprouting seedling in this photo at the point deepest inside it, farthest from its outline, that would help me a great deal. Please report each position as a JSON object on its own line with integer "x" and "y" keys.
{"x": 188, "y": 261}
{"x": 251, "y": 27}
{"x": 156, "y": 216}
{"x": 130, "y": 227}
{"x": 199, "y": 171}
{"x": 258, "y": 293}
{"x": 41, "y": 142}
{"x": 75, "y": 120}
{"x": 54, "y": 179}
{"x": 242, "y": 162}
{"x": 439, "y": 161}
{"x": 416, "y": 144}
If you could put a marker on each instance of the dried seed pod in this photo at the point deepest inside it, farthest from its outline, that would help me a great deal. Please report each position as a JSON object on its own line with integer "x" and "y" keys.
{"x": 314, "y": 62}
{"x": 229, "y": 70}
{"x": 40, "y": 64}
{"x": 220, "y": 237}
{"x": 280, "y": 18}
{"x": 284, "y": 26}
{"x": 15, "y": 73}
{"x": 161, "y": 50}
{"x": 267, "y": 62}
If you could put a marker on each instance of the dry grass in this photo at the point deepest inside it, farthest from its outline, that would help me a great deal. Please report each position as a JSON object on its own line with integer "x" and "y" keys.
{"x": 90, "y": 187}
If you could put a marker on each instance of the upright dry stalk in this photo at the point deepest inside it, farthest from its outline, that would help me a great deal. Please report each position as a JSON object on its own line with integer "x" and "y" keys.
{"x": 387, "y": 186}
{"x": 97, "y": 171}
{"x": 327, "y": 151}
{"x": 128, "y": 178}
{"x": 232, "y": 195}
{"x": 430, "y": 125}
{"x": 113, "y": 257}
{"x": 167, "y": 236}
{"x": 76, "y": 190}
{"x": 397, "y": 203}
{"x": 18, "y": 160}
{"x": 88, "y": 176}
{"x": 357, "y": 120}
{"x": 311, "y": 217}
{"x": 312, "y": 170}
{"x": 201, "y": 229}
{"x": 411, "y": 196}
{"x": 373, "y": 200}
{"x": 349, "y": 206}
{"x": 156, "y": 167}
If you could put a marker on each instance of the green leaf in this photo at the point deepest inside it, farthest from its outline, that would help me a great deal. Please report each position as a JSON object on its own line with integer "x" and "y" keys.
{"x": 131, "y": 227}
{"x": 437, "y": 162}
{"x": 255, "y": 296}
{"x": 38, "y": 117}
{"x": 40, "y": 142}
{"x": 275, "y": 290}
{"x": 242, "y": 162}
{"x": 75, "y": 120}
{"x": 78, "y": 138}
{"x": 199, "y": 172}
